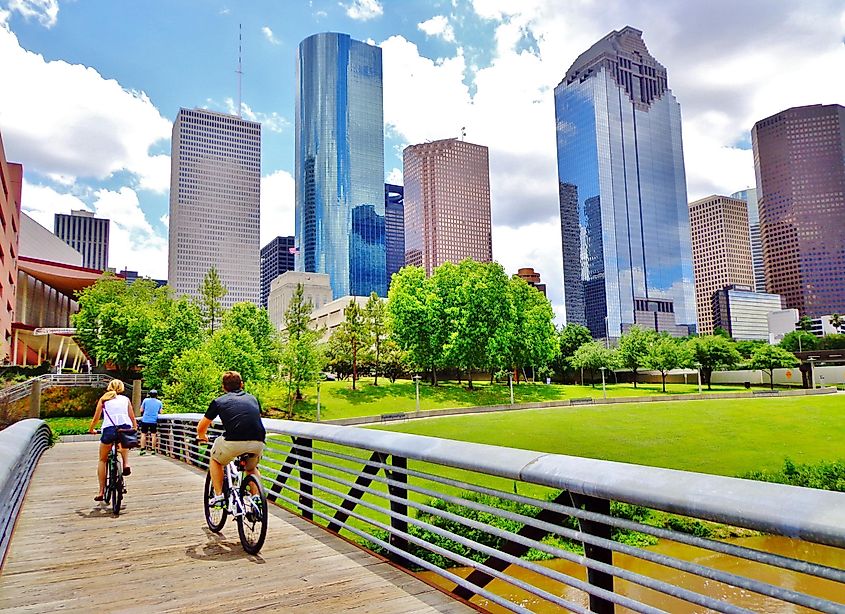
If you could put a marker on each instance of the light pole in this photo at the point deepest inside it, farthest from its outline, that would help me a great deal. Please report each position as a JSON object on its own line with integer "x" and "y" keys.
{"x": 417, "y": 379}
{"x": 698, "y": 369}
{"x": 603, "y": 389}
{"x": 318, "y": 400}
{"x": 606, "y": 334}
{"x": 510, "y": 384}
{"x": 811, "y": 360}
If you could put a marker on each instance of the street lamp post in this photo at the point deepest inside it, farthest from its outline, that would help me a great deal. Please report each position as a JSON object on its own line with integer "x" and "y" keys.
{"x": 698, "y": 369}
{"x": 318, "y": 400}
{"x": 417, "y": 379}
{"x": 603, "y": 389}
{"x": 510, "y": 384}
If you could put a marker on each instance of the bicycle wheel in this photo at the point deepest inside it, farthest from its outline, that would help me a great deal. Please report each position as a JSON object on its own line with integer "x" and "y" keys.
{"x": 117, "y": 487}
{"x": 108, "y": 493}
{"x": 215, "y": 517}
{"x": 252, "y": 525}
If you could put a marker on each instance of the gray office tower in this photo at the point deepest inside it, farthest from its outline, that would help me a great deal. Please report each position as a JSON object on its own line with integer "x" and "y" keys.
{"x": 215, "y": 190}
{"x": 623, "y": 199}
{"x": 340, "y": 163}
{"x": 394, "y": 228}
{"x": 277, "y": 257}
{"x": 750, "y": 197}
{"x": 86, "y": 234}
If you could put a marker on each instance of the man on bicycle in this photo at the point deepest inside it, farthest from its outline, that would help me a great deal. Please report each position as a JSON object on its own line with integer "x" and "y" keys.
{"x": 244, "y": 433}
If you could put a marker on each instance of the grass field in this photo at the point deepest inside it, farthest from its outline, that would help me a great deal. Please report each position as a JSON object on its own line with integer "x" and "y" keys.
{"x": 726, "y": 437}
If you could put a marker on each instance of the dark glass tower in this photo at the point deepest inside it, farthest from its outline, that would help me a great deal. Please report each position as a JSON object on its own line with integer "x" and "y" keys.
{"x": 623, "y": 200}
{"x": 394, "y": 227}
{"x": 340, "y": 163}
{"x": 277, "y": 257}
{"x": 799, "y": 160}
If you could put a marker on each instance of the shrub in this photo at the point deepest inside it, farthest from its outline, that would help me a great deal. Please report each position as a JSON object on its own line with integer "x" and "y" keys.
{"x": 69, "y": 401}
{"x": 825, "y": 475}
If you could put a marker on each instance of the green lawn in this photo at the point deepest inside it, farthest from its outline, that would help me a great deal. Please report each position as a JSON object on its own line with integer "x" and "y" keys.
{"x": 727, "y": 437}
{"x": 338, "y": 400}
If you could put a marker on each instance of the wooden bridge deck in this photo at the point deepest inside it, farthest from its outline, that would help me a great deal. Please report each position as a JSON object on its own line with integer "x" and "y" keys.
{"x": 68, "y": 553}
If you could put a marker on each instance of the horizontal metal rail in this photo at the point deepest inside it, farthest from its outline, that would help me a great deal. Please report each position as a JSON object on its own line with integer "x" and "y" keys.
{"x": 21, "y": 445}
{"x": 23, "y": 389}
{"x": 433, "y": 504}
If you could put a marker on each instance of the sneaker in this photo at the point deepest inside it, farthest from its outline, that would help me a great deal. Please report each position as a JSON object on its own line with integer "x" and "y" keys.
{"x": 217, "y": 501}
{"x": 143, "y": 452}
{"x": 127, "y": 470}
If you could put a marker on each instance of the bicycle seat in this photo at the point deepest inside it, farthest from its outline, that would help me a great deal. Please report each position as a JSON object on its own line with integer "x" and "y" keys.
{"x": 242, "y": 459}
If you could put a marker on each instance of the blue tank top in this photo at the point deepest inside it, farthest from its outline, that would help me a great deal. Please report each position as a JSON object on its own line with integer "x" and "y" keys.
{"x": 151, "y": 409}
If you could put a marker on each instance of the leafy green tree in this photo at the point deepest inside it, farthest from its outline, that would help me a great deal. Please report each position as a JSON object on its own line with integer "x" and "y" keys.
{"x": 234, "y": 350}
{"x": 665, "y": 354}
{"x": 746, "y": 348}
{"x": 633, "y": 349}
{"x": 180, "y": 329}
{"x": 338, "y": 355}
{"x": 375, "y": 314}
{"x": 535, "y": 341}
{"x": 416, "y": 321}
{"x": 301, "y": 358}
{"x": 211, "y": 291}
{"x": 254, "y": 320}
{"x": 711, "y": 352}
{"x": 721, "y": 332}
{"x": 570, "y": 338}
{"x": 805, "y": 323}
{"x": 593, "y": 356}
{"x": 837, "y": 322}
{"x": 352, "y": 333}
{"x": 799, "y": 341}
{"x": 832, "y": 342}
{"x": 194, "y": 382}
{"x": 771, "y": 357}
{"x": 394, "y": 360}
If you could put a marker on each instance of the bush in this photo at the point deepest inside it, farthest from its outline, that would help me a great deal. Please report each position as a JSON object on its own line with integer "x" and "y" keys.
{"x": 71, "y": 401}
{"x": 825, "y": 475}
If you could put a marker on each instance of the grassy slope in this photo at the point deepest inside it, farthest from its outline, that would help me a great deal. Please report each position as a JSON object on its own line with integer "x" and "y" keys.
{"x": 726, "y": 437}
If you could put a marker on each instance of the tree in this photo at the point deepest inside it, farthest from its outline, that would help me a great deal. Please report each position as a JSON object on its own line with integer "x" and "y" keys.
{"x": 721, "y": 332}
{"x": 771, "y": 357}
{"x": 352, "y": 333}
{"x": 534, "y": 342}
{"x": 211, "y": 291}
{"x": 665, "y": 354}
{"x": 593, "y": 356}
{"x": 394, "y": 360}
{"x": 570, "y": 338}
{"x": 799, "y": 341}
{"x": 709, "y": 352}
{"x": 301, "y": 358}
{"x": 633, "y": 349}
{"x": 234, "y": 350}
{"x": 194, "y": 383}
{"x": 746, "y": 348}
{"x": 253, "y": 320}
{"x": 837, "y": 322}
{"x": 805, "y": 323}
{"x": 375, "y": 316}
{"x": 179, "y": 330}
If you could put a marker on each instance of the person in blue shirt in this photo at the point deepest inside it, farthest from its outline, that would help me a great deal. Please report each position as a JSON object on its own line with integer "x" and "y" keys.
{"x": 151, "y": 407}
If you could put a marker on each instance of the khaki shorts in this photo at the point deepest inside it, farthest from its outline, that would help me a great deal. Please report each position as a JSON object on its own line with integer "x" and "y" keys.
{"x": 224, "y": 452}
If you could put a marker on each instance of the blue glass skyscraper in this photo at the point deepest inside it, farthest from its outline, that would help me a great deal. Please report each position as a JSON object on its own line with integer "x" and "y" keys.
{"x": 623, "y": 200}
{"x": 340, "y": 163}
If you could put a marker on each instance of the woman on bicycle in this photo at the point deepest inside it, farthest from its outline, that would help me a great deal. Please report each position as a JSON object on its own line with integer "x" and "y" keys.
{"x": 117, "y": 413}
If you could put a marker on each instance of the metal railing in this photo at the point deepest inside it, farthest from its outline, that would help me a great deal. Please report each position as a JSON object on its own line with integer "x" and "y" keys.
{"x": 433, "y": 504}
{"x": 21, "y": 445}
{"x": 23, "y": 389}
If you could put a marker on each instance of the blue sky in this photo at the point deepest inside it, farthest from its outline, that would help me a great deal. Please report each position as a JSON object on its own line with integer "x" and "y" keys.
{"x": 96, "y": 84}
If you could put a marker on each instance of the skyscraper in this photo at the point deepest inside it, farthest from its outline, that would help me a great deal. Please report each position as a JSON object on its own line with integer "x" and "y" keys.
{"x": 394, "y": 229}
{"x": 11, "y": 182}
{"x": 750, "y": 197}
{"x": 799, "y": 160}
{"x": 721, "y": 251}
{"x": 215, "y": 189}
{"x": 340, "y": 163}
{"x": 277, "y": 257}
{"x": 86, "y": 234}
{"x": 447, "y": 203}
{"x": 623, "y": 201}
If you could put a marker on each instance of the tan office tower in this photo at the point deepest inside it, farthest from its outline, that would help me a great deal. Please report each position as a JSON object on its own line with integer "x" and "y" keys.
{"x": 447, "y": 203}
{"x": 215, "y": 184}
{"x": 721, "y": 251}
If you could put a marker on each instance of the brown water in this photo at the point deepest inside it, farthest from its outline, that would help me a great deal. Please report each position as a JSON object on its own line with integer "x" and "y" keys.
{"x": 832, "y": 557}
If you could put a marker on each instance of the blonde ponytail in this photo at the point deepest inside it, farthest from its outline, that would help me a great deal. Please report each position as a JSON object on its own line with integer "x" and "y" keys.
{"x": 114, "y": 388}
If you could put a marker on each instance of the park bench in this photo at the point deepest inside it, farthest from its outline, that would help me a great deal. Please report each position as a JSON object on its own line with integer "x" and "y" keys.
{"x": 581, "y": 401}
{"x": 764, "y": 393}
{"x": 397, "y": 416}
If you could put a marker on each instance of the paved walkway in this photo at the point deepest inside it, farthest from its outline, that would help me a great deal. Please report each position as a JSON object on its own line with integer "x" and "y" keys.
{"x": 68, "y": 553}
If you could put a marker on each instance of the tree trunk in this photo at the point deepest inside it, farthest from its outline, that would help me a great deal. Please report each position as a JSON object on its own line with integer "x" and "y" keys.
{"x": 772, "y": 379}
{"x": 663, "y": 376}
{"x": 354, "y": 365}
{"x": 635, "y": 378}
{"x": 469, "y": 378}
{"x": 706, "y": 372}
{"x": 375, "y": 383}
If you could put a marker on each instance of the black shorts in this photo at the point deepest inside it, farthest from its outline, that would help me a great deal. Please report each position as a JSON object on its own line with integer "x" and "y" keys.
{"x": 109, "y": 434}
{"x": 148, "y": 427}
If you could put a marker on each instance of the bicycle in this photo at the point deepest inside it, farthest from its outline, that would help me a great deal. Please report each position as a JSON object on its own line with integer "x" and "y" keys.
{"x": 115, "y": 485}
{"x": 239, "y": 502}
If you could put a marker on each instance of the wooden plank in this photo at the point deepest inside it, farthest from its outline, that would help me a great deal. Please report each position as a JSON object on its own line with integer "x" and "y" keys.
{"x": 69, "y": 553}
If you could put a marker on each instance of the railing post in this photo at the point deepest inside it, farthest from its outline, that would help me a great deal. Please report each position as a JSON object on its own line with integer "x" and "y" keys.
{"x": 305, "y": 473}
{"x": 599, "y": 579}
{"x": 136, "y": 396}
{"x": 399, "y": 507}
{"x": 35, "y": 399}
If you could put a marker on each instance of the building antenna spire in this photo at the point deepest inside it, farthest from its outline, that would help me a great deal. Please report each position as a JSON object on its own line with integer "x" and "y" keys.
{"x": 239, "y": 71}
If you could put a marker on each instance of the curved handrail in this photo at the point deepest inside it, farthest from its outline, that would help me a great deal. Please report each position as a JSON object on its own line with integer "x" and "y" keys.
{"x": 21, "y": 445}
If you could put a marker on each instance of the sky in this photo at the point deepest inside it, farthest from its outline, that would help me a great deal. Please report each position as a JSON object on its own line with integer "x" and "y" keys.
{"x": 89, "y": 90}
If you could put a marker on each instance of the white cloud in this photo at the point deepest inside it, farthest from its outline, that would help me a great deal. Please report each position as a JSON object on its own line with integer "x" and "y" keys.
{"x": 67, "y": 121}
{"x": 363, "y": 10}
{"x": 277, "y": 206}
{"x": 272, "y": 121}
{"x": 438, "y": 26}
{"x": 45, "y": 11}
{"x": 165, "y": 219}
{"x": 42, "y": 203}
{"x": 395, "y": 177}
{"x": 268, "y": 34}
